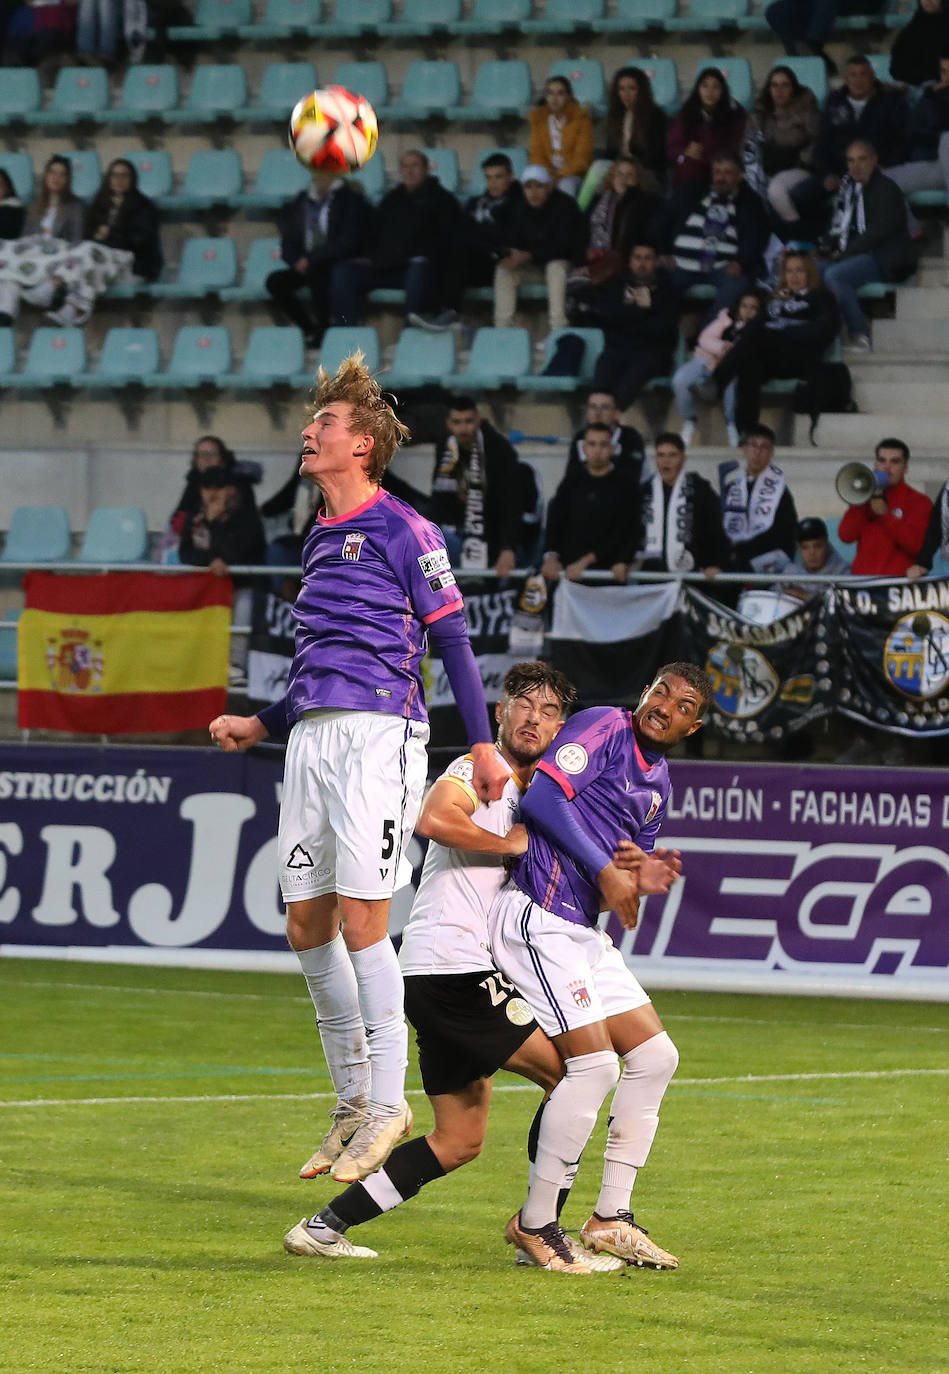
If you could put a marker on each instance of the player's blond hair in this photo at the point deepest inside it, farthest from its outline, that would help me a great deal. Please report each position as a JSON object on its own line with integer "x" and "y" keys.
{"x": 371, "y": 412}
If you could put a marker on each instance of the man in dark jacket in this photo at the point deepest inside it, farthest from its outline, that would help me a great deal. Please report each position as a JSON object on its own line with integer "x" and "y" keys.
{"x": 869, "y": 238}
{"x": 928, "y": 139}
{"x": 475, "y": 489}
{"x": 682, "y": 517}
{"x": 325, "y": 225}
{"x": 629, "y": 450}
{"x": 593, "y": 520}
{"x": 546, "y": 236}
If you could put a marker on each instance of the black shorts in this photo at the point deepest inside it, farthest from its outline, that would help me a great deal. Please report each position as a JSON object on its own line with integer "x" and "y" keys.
{"x": 466, "y": 1026}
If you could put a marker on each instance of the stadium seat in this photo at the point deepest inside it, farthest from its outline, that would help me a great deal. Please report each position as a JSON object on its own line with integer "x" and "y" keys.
{"x": 20, "y": 94}
{"x": 810, "y": 71}
{"x": 274, "y": 357}
{"x": 154, "y": 171}
{"x": 38, "y": 534}
{"x": 421, "y": 358}
{"x": 200, "y": 355}
{"x": 565, "y": 16}
{"x": 207, "y": 265}
{"x": 213, "y": 19}
{"x": 263, "y": 258}
{"x": 286, "y": 19}
{"x": 55, "y": 358}
{"x": 492, "y": 17}
{"x": 279, "y": 178}
{"x": 218, "y": 91}
{"x": 114, "y": 534}
{"x": 340, "y": 341}
{"x": 19, "y": 168}
{"x": 372, "y": 178}
{"x": 80, "y": 94}
{"x": 283, "y": 85}
{"x": 419, "y": 18}
{"x": 585, "y": 75}
{"x": 635, "y": 16}
{"x": 737, "y": 72}
{"x": 880, "y": 62}
{"x": 710, "y": 15}
{"x": 518, "y": 158}
{"x": 368, "y": 79}
{"x": 498, "y": 358}
{"x": 429, "y": 89}
{"x": 443, "y": 163}
{"x": 592, "y": 348}
{"x": 86, "y": 171}
{"x": 663, "y": 77}
{"x": 7, "y": 353}
{"x": 500, "y": 88}
{"x": 147, "y": 93}
{"x": 213, "y": 177}
{"x": 127, "y": 356}
{"x": 8, "y": 644}
{"x": 356, "y": 17}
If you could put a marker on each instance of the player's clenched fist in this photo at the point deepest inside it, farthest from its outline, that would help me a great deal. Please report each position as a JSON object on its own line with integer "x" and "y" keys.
{"x": 231, "y": 733}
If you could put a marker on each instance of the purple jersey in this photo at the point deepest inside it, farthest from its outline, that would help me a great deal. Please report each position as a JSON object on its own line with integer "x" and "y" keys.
{"x": 373, "y": 579}
{"x": 620, "y": 793}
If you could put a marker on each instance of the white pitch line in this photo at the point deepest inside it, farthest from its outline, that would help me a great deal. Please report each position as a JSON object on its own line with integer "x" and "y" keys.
{"x": 502, "y": 1088}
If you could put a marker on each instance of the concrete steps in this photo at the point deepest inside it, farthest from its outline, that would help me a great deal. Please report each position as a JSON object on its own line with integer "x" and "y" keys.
{"x": 858, "y": 435}
{"x": 920, "y": 335}
{"x": 929, "y": 302}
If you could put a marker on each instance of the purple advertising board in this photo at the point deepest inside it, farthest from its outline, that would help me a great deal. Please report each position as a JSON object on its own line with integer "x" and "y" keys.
{"x": 796, "y": 879}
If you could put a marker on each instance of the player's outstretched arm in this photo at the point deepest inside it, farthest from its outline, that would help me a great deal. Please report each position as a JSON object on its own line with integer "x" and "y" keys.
{"x": 232, "y": 733}
{"x": 446, "y": 818}
{"x": 659, "y": 871}
{"x": 450, "y": 636}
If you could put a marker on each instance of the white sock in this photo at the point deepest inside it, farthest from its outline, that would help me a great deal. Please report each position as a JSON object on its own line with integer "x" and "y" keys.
{"x": 634, "y": 1119}
{"x": 381, "y": 1002}
{"x": 565, "y": 1128}
{"x": 332, "y": 985}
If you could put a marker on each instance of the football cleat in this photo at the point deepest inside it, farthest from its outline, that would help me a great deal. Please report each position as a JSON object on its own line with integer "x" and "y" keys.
{"x": 600, "y": 1264}
{"x": 548, "y": 1248}
{"x": 372, "y": 1144}
{"x": 301, "y": 1241}
{"x": 347, "y": 1117}
{"x": 620, "y": 1235}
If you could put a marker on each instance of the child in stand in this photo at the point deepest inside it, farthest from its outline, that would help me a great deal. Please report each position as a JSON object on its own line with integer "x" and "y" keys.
{"x": 713, "y": 343}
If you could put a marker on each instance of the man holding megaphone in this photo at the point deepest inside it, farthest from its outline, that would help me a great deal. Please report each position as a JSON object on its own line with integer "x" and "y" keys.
{"x": 886, "y": 518}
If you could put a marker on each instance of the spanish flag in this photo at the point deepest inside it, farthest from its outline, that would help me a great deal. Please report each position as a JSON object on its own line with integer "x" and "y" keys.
{"x": 123, "y": 653}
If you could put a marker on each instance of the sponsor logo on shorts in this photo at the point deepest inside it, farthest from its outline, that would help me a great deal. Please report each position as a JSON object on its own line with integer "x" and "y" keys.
{"x": 656, "y": 803}
{"x": 352, "y": 545}
{"x": 571, "y": 758}
{"x": 518, "y": 1012}
{"x": 434, "y": 563}
{"x": 299, "y": 858}
{"x": 578, "y": 992}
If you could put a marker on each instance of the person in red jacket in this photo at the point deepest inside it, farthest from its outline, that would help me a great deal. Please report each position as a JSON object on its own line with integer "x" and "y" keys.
{"x": 889, "y": 529}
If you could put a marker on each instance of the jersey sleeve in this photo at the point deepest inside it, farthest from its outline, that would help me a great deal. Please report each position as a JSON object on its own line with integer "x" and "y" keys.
{"x": 583, "y": 749}
{"x": 422, "y": 563}
{"x": 461, "y": 772}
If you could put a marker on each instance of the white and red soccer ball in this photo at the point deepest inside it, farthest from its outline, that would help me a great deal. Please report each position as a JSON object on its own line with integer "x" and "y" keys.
{"x": 332, "y": 130}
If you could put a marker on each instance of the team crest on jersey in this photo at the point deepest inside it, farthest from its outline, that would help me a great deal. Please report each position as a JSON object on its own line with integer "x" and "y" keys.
{"x": 580, "y": 995}
{"x": 352, "y": 545}
{"x": 571, "y": 758}
{"x": 653, "y": 807}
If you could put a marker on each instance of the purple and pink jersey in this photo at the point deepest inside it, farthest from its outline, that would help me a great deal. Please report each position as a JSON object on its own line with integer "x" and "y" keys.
{"x": 620, "y": 792}
{"x": 373, "y": 580}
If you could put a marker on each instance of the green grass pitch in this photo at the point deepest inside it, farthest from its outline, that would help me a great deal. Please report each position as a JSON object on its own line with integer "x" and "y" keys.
{"x": 152, "y": 1122}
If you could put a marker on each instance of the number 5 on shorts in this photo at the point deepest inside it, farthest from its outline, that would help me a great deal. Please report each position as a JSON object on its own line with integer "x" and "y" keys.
{"x": 388, "y": 839}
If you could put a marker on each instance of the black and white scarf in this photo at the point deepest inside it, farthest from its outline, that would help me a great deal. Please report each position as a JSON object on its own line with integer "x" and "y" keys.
{"x": 667, "y": 529}
{"x": 709, "y": 237}
{"x": 745, "y": 515}
{"x": 467, "y": 476}
{"x": 849, "y": 214}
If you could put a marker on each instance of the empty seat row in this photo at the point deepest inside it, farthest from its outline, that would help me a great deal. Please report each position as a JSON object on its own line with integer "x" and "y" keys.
{"x": 40, "y": 534}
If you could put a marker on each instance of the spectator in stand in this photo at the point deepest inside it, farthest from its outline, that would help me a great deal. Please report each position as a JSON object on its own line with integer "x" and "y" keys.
{"x": 121, "y": 217}
{"x": 716, "y": 339}
{"x": 682, "y": 518}
{"x": 788, "y": 339}
{"x": 919, "y": 45}
{"x": 12, "y": 209}
{"x": 869, "y": 239}
{"x": 928, "y": 139}
{"x": 561, "y": 135}
{"x": 56, "y": 213}
{"x": 815, "y": 554}
{"x": 635, "y": 124}
{"x": 715, "y": 236}
{"x": 545, "y": 239}
{"x": 808, "y": 24}
{"x": 639, "y": 315}
{"x": 474, "y": 489}
{"x": 39, "y": 31}
{"x": 413, "y": 232}
{"x": 779, "y": 140}
{"x": 209, "y": 451}
{"x": 889, "y": 529}
{"x": 620, "y": 214}
{"x": 709, "y": 123}
{"x": 593, "y": 519}
{"x": 758, "y": 513}
{"x": 488, "y": 218}
{"x": 98, "y": 25}
{"x": 629, "y": 450}
{"x": 936, "y": 540}
{"x": 323, "y": 226}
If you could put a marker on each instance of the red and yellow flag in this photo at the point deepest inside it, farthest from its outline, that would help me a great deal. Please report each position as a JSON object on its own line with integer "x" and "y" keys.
{"x": 123, "y": 653}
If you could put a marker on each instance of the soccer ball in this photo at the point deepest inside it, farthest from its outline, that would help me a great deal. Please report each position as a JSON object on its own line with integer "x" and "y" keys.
{"x": 333, "y": 130}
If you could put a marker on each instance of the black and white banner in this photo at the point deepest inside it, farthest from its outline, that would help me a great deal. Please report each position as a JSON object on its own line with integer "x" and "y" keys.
{"x": 609, "y": 640}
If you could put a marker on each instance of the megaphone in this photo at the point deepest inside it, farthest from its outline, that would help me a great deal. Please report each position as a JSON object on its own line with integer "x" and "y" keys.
{"x": 857, "y": 484}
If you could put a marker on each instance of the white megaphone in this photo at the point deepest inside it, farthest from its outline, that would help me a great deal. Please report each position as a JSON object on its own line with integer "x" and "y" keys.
{"x": 857, "y": 484}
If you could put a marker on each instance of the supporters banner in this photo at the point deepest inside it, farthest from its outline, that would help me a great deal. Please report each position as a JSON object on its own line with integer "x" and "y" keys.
{"x": 795, "y": 878}
{"x": 609, "y": 640}
{"x": 894, "y": 638}
{"x": 270, "y": 648}
{"x": 123, "y": 653}
{"x": 770, "y": 680}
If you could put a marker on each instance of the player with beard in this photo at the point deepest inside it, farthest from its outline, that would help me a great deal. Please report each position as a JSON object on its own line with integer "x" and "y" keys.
{"x": 603, "y": 780}
{"x": 470, "y": 1020}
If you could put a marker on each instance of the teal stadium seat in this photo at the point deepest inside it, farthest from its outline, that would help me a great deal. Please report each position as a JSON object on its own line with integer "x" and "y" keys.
{"x": 372, "y": 178}
{"x": 443, "y": 164}
{"x": 663, "y": 77}
{"x": 80, "y": 94}
{"x": 207, "y": 266}
{"x": 737, "y": 72}
{"x": 356, "y": 17}
{"x": 279, "y": 178}
{"x": 214, "y": 19}
{"x": 55, "y": 358}
{"x": 154, "y": 171}
{"x": 499, "y": 357}
{"x": 213, "y": 177}
{"x": 566, "y": 16}
{"x": 421, "y": 358}
{"x": 340, "y": 341}
{"x": 274, "y": 357}
{"x": 86, "y": 171}
{"x": 810, "y": 71}
{"x": 264, "y": 257}
{"x": 430, "y": 88}
{"x": 201, "y": 355}
{"x": 19, "y": 168}
{"x": 38, "y": 534}
{"x": 218, "y": 91}
{"x": 8, "y": 644}
{"x": 420, "y": 18}
{"x": 368, "y": 79}
{"x": 880, "y": 62}
{"x": 585, "y": 75}
{"x": 147, "y": 93}
{"x": 115, "y": 534}
{"x": 592, "y": 348}
{"x": 283, "y": 85}
{"x": 500, "y": 88}
{"x": 286, "y": 19}
{"x": 7, "y": 353}
{"x": 128, "y": 356}
{"x": 20, "y": 94}
{"x": 636, "y": 16}
{"x": 491, "y": 17}
{"x": 711, "y": 15}
{"x": 518, "y": 158}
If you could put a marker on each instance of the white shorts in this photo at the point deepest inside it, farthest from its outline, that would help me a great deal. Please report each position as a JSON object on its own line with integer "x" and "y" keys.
{"x": 352, "y": 788}
{"x": 570, "y": 975}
